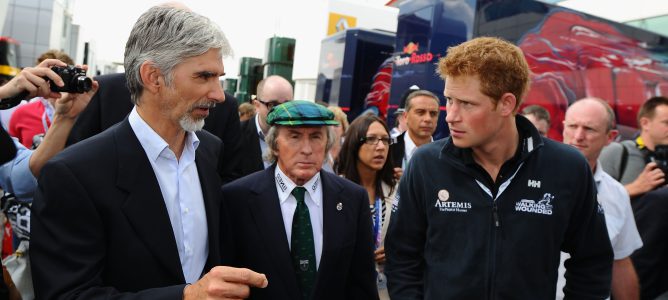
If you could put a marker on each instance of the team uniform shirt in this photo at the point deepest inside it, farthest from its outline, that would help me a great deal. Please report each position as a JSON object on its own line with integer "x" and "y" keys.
{"x": 30, "y": 120}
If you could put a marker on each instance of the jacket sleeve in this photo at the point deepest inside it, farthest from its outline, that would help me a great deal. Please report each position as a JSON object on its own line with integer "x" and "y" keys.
{"x": 88, "y": 122}
{"x": 404, "y": 243}
{"x": 16, "y": 177}
{"x": 362, "y": 277}
{"x": 231, "y": 137}
{"x": 589, "y": 270}
{"x": 67, "y": 258}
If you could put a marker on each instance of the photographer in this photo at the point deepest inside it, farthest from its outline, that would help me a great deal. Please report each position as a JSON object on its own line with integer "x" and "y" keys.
{"x": 18, "y": 175}
{"x": 30, "y": 122}
{"x": 640, "y": 165}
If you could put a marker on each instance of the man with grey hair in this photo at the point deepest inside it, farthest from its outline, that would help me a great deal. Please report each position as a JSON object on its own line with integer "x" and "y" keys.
{"x": 422, "y": 110}
{"x": 145, "y": 223}
{"x": 271, "y": 91}
{"x": 589, "y": 125}
{"x": 310, "y": 232}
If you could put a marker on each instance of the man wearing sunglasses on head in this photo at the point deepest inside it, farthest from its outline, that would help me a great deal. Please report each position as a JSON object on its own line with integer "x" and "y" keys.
{"x": 271, "y": 91}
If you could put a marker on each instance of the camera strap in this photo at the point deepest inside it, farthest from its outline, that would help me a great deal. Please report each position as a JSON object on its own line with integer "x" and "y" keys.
{"x": 47, "y": 116}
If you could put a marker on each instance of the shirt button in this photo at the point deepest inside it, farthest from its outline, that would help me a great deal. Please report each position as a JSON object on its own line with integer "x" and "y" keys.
{"x": 187, "y": 210}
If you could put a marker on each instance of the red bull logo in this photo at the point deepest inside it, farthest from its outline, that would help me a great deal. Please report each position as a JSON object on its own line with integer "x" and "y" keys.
{"x": 411, "y": 47}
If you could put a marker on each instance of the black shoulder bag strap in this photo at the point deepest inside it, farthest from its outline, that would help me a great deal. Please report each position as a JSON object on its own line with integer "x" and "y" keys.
{"x": 623, "y": 161}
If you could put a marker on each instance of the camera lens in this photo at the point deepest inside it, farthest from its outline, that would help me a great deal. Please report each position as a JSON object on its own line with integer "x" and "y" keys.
{"x": 83, "y": 84}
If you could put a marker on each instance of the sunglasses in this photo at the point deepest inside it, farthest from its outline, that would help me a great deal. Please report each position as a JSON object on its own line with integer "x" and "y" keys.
{"x": 269, "y": 104}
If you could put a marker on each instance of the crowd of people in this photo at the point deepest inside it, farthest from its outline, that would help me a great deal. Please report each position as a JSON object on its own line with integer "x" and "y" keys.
{"x": 156, "y": 184}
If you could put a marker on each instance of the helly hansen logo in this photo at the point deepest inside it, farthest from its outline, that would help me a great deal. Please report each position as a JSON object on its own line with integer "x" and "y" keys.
{"x": 534, "y": 183}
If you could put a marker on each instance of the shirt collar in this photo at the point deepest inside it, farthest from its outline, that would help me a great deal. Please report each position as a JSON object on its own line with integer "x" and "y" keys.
{"x": 598, "y": 173}
{"x": 260, "y": 134}
{"x": 284, "y": 186}
{"x": 410, "y": 145}
{"x": 152, "y": 142}
{"x": 529, "y": 140}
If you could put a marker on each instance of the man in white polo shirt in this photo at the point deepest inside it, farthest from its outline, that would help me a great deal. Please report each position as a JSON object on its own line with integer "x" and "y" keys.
{"x": 589, "y": 126}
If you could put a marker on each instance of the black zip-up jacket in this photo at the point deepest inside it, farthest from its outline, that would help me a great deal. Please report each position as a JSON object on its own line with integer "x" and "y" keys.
{"x": 457, "y": 234}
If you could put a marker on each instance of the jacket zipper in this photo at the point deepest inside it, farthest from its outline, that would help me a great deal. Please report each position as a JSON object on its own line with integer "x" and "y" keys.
{"x": 495, "y": 229}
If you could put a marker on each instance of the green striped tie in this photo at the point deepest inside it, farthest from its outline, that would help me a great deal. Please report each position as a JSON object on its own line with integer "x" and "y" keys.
{"x": 303, "y": 250}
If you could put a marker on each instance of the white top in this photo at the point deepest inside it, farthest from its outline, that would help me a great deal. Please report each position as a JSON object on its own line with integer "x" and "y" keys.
{"x": 182, "y": 193}
{"x": 395, "y": 132}
{"x": 313, "y": 200}
{"x": 263, "y": 144}
{"x": 616, "y": 204}
{"x": 409, "y": 149}
{"x": 619, "y": 221}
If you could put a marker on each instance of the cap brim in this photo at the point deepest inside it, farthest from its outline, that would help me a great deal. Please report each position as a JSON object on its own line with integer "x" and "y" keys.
{"x": 307, "y": 123}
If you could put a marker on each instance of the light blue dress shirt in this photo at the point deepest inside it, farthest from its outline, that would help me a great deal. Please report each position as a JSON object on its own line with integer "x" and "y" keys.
{"x": 182, "y": 193}
{"x": 313, "y": 200}
{"x": 15, "y": 175}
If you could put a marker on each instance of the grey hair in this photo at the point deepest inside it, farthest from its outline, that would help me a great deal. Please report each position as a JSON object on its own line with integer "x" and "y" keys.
{"x": 166, "y": 36}
{"x": 272, "y": 144}
{"x": 418, "y": 93}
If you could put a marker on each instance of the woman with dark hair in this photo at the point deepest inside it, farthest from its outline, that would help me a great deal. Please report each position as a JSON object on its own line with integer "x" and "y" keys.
{"x": 364, "y": 159}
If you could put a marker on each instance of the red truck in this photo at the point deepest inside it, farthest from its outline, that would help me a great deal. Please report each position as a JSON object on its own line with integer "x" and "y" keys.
{"x": 572, "y": 55}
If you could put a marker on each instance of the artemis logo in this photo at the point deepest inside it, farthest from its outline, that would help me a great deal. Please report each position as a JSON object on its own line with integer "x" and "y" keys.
{"x": 444, "y": 205}
{"x": 534, "y": 183}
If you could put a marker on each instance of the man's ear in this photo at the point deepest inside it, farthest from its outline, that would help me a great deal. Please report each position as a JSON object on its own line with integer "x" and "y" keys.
{"x": 644, "y": 122}
{"x": 506, "y": 105}
{"x": 151, "y": 77}
{"x": 612, "y": 135}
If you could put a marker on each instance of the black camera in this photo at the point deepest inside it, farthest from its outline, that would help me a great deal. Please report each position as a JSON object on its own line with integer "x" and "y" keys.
{"x": 660, "y": 157}
{"x": 74, "y": 78}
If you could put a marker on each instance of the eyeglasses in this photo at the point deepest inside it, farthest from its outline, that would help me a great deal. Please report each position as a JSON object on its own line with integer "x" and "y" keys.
{"x": 269, "y": 104}
{"x": 373, "y": 140}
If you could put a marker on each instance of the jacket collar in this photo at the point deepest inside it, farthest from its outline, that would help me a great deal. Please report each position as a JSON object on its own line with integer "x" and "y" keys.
{"x": 530, "y": 140}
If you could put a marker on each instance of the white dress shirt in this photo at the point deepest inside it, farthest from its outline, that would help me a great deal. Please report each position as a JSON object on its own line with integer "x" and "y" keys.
{"x": 263, "y": 144}
{"x": 409, "y": 149}
{"x": 182, "y": 193}
{"x": 313, "y": 200}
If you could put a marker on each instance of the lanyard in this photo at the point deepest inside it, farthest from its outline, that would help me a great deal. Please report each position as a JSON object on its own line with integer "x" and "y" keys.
{"x": 377, "y": 222}
{"x": 47, "y": 116}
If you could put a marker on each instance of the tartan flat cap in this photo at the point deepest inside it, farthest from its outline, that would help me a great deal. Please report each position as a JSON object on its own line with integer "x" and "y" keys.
{"x": 300, "y": 113}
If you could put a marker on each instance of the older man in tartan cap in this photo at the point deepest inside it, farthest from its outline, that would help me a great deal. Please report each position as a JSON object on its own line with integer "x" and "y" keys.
{"x": 308, "y": 230}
